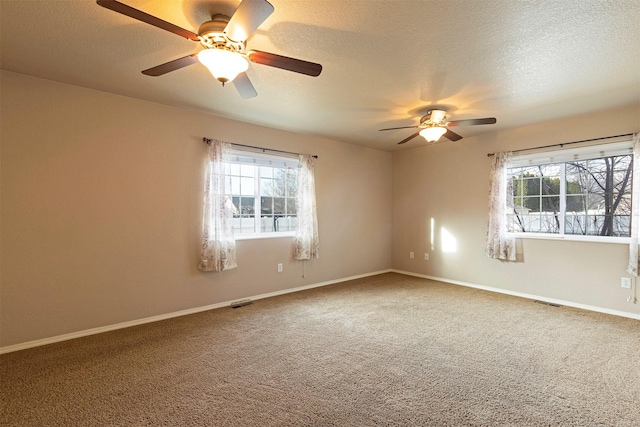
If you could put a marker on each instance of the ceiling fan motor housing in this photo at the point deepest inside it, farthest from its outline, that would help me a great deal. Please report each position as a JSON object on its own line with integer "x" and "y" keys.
{"x": 212, "y": 35}
{"x": 434, "y": 118}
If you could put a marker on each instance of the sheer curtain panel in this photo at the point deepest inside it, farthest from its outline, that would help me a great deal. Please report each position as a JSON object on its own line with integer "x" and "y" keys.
{"x": 500, "y": 245}
{"x": 634, "y": 261}
{"x": 218, "y": 243}
{"x": 306, "y": 242}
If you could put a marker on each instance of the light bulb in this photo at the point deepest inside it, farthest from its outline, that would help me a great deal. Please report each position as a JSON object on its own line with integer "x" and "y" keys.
{"x": 432, "y": 134}
{"x": 223, "y": 64}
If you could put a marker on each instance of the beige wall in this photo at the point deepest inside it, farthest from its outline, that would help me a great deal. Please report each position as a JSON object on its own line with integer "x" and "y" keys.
{"x": 449, "y": 183}
{"x": 101, "y": 211}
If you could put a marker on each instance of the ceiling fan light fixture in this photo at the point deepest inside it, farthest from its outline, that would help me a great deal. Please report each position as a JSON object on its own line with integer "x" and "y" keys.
{"x": 432, "y": 134}
{"x": 223, "y": 64}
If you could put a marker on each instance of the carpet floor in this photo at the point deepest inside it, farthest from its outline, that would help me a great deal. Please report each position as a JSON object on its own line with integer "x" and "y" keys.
{"x": 388, "y": 350}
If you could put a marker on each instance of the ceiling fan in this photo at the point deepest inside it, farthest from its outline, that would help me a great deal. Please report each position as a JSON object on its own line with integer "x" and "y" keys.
{"x": 224, "y": 41}
{"x": 433, "y": 126}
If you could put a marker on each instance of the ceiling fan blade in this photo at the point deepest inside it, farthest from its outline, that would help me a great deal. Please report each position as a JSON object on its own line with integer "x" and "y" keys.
{"x": 247, "y": 18}
{"x": 149, "y": 19}
{"x": 244, "y": 86}
{"x": 452, "y": 135}
{"x": 409, "y": 139}
{"x": 486, "y": 121}
{"x": 171, "y": 65}
{"x": 285, "y": 63}
{"x": 403, "y": 127}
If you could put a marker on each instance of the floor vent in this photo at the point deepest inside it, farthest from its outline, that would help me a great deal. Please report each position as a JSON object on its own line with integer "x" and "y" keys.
{"x": 548, "y": 303}
{"x": 241, "y": 303}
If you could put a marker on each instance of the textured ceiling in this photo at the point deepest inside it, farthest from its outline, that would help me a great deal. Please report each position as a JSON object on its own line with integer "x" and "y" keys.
{"x": 384, "y": 61}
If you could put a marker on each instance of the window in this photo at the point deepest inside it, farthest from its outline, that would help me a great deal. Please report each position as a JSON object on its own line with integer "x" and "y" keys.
{"x": 577, "y": 192}
{"x": 263, "y": 189}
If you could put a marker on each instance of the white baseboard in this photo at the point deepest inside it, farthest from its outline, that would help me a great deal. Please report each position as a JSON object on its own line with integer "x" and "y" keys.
{"x": 93, "y": 331}
{"x": 523, "y": 295}
{"x": 101, "y": 329}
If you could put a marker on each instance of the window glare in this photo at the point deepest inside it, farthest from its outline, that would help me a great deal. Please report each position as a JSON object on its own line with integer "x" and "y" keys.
{"x": 247, "y": 170}
{"x": 246, "y": 186}
{"x": 266, "y": 172}
{"x": 235, "y": 185}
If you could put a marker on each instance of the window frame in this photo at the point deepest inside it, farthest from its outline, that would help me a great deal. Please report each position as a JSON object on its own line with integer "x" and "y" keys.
{"x": 562, "y": 157}
{"x": 259, "y": 159}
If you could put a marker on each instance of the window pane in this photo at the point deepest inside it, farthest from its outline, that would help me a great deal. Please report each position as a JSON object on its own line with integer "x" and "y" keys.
{"x": 597, "y": 180}
{"x": 577, "y": 177}
{"x": 622, "y": 203}
{"x": 576, "y": 223}
{"x": 595, "y": 202}
{"x": 513, "y": 225}
{"x": 549, "y": 170}
{"x": 235, "y": 185}
{"x": 247, "y": 225}
{"x": 549, "y": 223}
{"x": 266, "y": 187}
{"x": 530, "y": 171}
{"x": 576, "y": 203}
{"x": 266, "y": 205}
{"x": 530, "y": 186}
{"x": 531, "y": 204}
{"x": 576, "y": 187}
{"x": 286, "y": 223}
{"x": 266, "y": 172}
{"x": 575, "y": 168}
{"x": 280, "y": 182}
{"x": 236, "y": 203}
{"x": 267, "y": 224}
{"x": 621, "y": 225}
{"x": 246, "y": 206}
{"x": 247, "y": 186}
{"x": 279, "y": 205}
{"x": 551, "y": 186}
{"x": 535, "y": 222}
{"x": 550, "y": 204}
{"x": 594, "y": 225}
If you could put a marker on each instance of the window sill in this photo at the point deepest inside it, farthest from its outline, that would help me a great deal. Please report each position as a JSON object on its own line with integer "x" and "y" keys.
{"x": 265, "y": 235}
{"x": 573, "y": 238}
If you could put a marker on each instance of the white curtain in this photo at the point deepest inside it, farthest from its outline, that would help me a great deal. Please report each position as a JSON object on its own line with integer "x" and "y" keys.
{"x": 306, "y": 242}
{"x": 499, "y": 244}
{"x": 218, "y": 243}
{"x": 634, "y": 261}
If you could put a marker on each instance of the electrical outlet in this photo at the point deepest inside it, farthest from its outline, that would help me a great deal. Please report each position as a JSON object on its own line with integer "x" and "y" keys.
{"x": 411, "y": 255}
{"x": 625, "y": 282}
{"x": 280, "y": 268}
{"x": 426, "y": 256}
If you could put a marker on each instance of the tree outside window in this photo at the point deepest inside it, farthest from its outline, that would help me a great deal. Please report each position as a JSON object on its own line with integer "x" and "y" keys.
{"x": 586, "y": 197}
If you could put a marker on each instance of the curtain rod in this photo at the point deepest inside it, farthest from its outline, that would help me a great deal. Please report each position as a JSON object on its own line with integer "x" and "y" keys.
{"x": 208, "y": 141}
{"x": 566, "y": 143}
